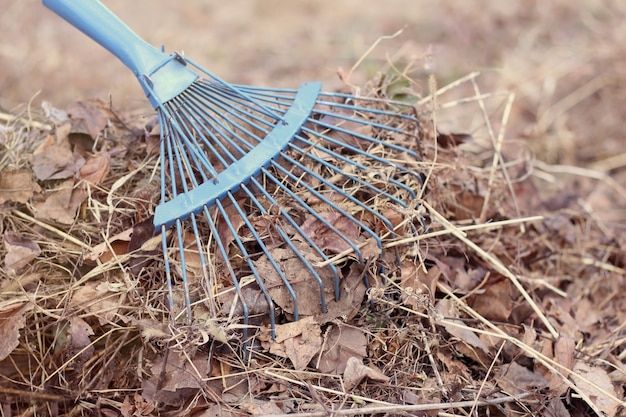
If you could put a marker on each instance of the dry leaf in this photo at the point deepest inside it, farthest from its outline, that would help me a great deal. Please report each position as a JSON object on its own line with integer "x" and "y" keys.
{"x": 302, "y": 281}
{"x": 89, "y": 118}
{"x": 516, "y": 379}
{"x": 598, "y": 376}
{"x": 299, "y": 341}
{"x": 342, "y": 343}
{"x": 102, "y": 299}
{"x": 53, "y": 160}
{"x": 118, "y": 243}
{"x": 96, "y": 168}
{"x": 62, "y": 204}
{"x": 79, "y": 348}
{"x": 19, "y": 251}
{"x": 447, "y": 309}
{"x": 11, "y": 321}
{"x": 328, "y": 240}
{"x": 17, "y": 186}
{"x": 356, "y": 371}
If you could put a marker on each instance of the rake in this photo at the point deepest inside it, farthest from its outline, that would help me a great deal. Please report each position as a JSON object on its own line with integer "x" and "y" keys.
{"x": 272, "y": 185}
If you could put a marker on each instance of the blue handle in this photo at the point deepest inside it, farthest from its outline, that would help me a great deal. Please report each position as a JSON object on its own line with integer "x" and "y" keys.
{"x": 162, "y": 76}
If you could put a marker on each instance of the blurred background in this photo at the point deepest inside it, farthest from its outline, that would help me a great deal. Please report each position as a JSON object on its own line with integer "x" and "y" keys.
{"x": 564, "y": 60}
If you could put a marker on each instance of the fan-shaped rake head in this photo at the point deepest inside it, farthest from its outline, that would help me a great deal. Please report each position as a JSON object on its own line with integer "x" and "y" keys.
{"x": 272, "y": 184}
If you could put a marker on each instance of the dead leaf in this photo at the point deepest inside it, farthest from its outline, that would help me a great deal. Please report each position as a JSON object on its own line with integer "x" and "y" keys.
{"x": 17, "y": 186}
{"x": 54, "y": 160}
{"x": 336, "y": 242}
{"x": 594, "y": 375}
{"x": 447, "y": 309}
{"x": 299, "y": 341}
{"x": 300, "y": 278}
{"x": 102, "y": 299}
{"x": 96, "y": 168}
{"x": 517, "y": 379}
{"x": 79, "y": 348}
{"x": 19, "y": 252}
{"x": 342, "y": 343}
{"x": 62, "y": 204}
{"x": 89, "y": 118}
{"x": 496, "y": 301}
{"x": 11, "y": 321}
{"x": 356, "y": 371}
{"x": 415, "y": 294}
{"x": 118, "y": 244}
{"x": 564, "y": 351}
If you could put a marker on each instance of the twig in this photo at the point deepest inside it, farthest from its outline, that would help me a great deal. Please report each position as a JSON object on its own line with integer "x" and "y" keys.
{"x": 395, "y": 408}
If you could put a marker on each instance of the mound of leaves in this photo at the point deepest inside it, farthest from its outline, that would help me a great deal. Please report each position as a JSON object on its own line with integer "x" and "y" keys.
{"x": 509, "y": 300}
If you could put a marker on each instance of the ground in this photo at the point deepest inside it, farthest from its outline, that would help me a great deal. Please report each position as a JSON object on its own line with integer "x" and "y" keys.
{"x": 529, "y": 313}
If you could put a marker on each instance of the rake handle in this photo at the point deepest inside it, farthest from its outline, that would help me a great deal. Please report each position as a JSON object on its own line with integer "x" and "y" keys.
{"x": 162, "y": 76}
{"x": 95, "y": 20}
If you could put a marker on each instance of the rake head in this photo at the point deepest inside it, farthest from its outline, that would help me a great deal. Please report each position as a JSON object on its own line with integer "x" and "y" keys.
{"x": 273, "y": 184}
{"x": 264, "y": 187}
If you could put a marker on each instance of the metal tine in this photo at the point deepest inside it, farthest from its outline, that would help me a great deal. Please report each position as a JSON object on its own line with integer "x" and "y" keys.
{"x": 229, "y": 266}
{"x": 306, "y": 238}
{"x": 244, "y": 252}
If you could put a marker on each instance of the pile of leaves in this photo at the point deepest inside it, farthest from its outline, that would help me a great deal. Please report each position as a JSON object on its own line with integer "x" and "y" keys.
{"x": 509, "y": 301}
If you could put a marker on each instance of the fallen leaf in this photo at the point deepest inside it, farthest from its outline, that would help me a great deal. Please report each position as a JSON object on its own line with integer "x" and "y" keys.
{"x": 79, "y": 348}
{"x": 447, "y": 309}
{"x": 299, "y": 341}
{"x": 322, "y": 234}
{"x": 415, "y": 294}
{"x": 516, "y": 379}
{"x": 564, "y": 351}
{"x": 301, "y": 279}
{"x": 62, "y": 204}
{"x": 102, "y": 299}
{"x": 17, "y": 186}
{"x": 356, "y": 371}
{"x": 19, "y": 251}
{"x": 117, "y": 245}
{"x": 96, "y": 168}
{"x": 342, "y": 343}
{"x": 89, "y": 118}
{"x": 53, "y": 160}
{"x": 601, "y": 398}
{"x": 11, "y": 321}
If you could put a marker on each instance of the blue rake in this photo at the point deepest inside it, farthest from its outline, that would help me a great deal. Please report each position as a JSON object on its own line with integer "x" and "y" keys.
{"x": 268, "y": 177}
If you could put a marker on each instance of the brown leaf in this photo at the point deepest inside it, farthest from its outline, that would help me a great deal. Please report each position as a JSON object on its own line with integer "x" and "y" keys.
{"x": 302, "y": 281}
{"x": 89, "y": 117}
{"x": 17, "y": 186}
{"x": 299, "y": 341}
{"x": 356, "y": 371}
{"x": 53, "y": 159}
{"x": 516, "y": 379}
{"x": 118, "y": 244}
{"x": 342, "y": 343}
{"x": 478, "y": 350}
{"x": 11, "y": 321}
{"x": 564, "y": 351}
{"x": 328, "y": 240}
{"x": 415, "y": 294}
{"x": 62, "y": 204}
{"x": 103, "y": 300}
{"x": 79, "y": 348}
{"x": 496, "y": 302}
{"x": 601, "y": 400}
{"x": 20, "y": 251}
{"x": 96, "y": 168}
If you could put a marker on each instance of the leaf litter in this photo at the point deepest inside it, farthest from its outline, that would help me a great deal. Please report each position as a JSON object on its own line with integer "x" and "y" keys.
{"x": 505, "y": 302}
